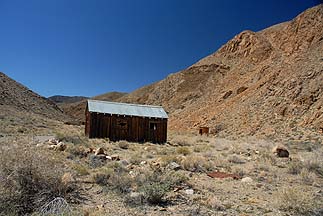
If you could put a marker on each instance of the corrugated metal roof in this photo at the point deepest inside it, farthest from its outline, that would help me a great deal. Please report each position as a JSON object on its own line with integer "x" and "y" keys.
{"x": 126, "y": 109}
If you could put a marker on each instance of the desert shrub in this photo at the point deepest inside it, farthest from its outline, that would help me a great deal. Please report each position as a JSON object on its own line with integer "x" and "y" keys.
{"x": 314, "y": 166}
{"x": 76, "y": 152}
{"x": 75, "y": 139}
{"x": 296, "y": 201}
{"x": 183, "y": 140}
{"x": 154, "y": 184}
{"x": 196, "y": 164}
{"x": 154, "y": 192}
{"x": 183, "y": 150}
{"x": 269, "y": 158}
{"x": 120, "y": 182}
{"x": 136, "y": 158}
{"x": 236, "y": 159}
{"x": 80, "y": 169}
{"x": 295, "y": 167}
{"x": 31, "y": 181}
{"x": 307, "y": 177}
{"x": 102, "y": 176}
{"x": 167, "y": 159}
{"x": 94, "y": 161}
{"x": 123, "y": 144}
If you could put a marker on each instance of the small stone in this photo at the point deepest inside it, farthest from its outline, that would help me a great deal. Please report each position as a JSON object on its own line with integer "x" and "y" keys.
{"x": 246, "y": 180}
{"x": 99, "y": 151}
{"x": 115, "y": 157}
{"x": 143, "y": 162}
{"x": 189, "y": 191}
{"x": 53, "y": 141}
{"x": 174, "y": 166}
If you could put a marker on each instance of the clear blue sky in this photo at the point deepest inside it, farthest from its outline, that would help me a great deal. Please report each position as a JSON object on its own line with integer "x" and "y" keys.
{"x": 89, "y": 47}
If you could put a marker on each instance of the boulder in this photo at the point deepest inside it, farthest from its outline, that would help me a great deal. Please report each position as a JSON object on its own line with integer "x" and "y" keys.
{"x": 280, "y": 151}
{"x": 99, "y": 151}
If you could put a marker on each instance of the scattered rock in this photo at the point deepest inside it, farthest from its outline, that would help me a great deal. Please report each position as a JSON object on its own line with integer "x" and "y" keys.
{"x": 60, "y": 146}
{"x": 281, "y": 151}
{"x": 189, "y": 191}
{"x": 246, "y": 180}
{"x": 101, "y": 157}
{"x": 115, "y": 157}
{"x": 53, "y": 141}
{"x": 227, "y": 94}
{"x": 174, "y": 166}
{"x": 99, "y": 151}
{"x": 241, "y": 89}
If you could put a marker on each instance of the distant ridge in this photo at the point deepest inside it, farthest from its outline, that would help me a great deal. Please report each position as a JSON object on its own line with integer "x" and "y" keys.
{"x": 66, "y": 99}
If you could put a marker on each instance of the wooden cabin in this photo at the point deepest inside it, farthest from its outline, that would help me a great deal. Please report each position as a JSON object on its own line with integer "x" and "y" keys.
{"x": 122, "y": 121}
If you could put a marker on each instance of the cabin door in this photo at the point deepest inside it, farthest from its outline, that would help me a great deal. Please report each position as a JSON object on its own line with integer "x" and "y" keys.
{"x": 122, "y": 129}
{"x": 153, "y": 131}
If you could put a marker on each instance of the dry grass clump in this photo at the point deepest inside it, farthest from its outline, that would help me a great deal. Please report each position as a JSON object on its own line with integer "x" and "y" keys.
{"x": 183, "y": 140}
{"x": 183, "y": 150}
{"x": 236, "y": 159}
{"x": 29, "y": 179}
{"x": 296, "y": 201}
{"x": 123, "y": 144}
{"x": 71, "y": 138}
{"x": 196, "y": 164}
{"x": 295, "y": 167}
{"x": 314, "y": 166}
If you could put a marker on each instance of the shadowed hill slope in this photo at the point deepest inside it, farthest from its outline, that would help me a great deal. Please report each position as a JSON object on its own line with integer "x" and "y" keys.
{"x": 15, "y": 96}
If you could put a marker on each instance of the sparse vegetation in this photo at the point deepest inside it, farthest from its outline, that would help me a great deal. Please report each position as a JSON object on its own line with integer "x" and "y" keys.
{"x": 31, "y": 181}
{"x": 296, "y": 200}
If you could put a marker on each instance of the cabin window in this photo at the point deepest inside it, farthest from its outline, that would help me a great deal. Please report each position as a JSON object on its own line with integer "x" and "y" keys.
{"x": 123, "y": 124}
{"x": 153, "y": 126}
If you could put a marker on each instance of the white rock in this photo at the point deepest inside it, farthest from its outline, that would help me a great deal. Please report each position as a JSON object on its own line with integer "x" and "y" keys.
{"x": 143, "y": 162}
{"x": 246, "y": 180}
{"x": 189, "y": 191}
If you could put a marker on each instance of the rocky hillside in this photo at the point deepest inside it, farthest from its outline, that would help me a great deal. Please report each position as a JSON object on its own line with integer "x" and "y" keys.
{"x": 266, "y": 82}
{"x": 14, "y": 96}
{"x": 77, "y": 109}
{"x": 66, "y": 99}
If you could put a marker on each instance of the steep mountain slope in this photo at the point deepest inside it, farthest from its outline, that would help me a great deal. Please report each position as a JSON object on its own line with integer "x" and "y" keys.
{"x": 265, "y": 82}
{"x": 77, "y": 109}
{"x": 14, "y": 96}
